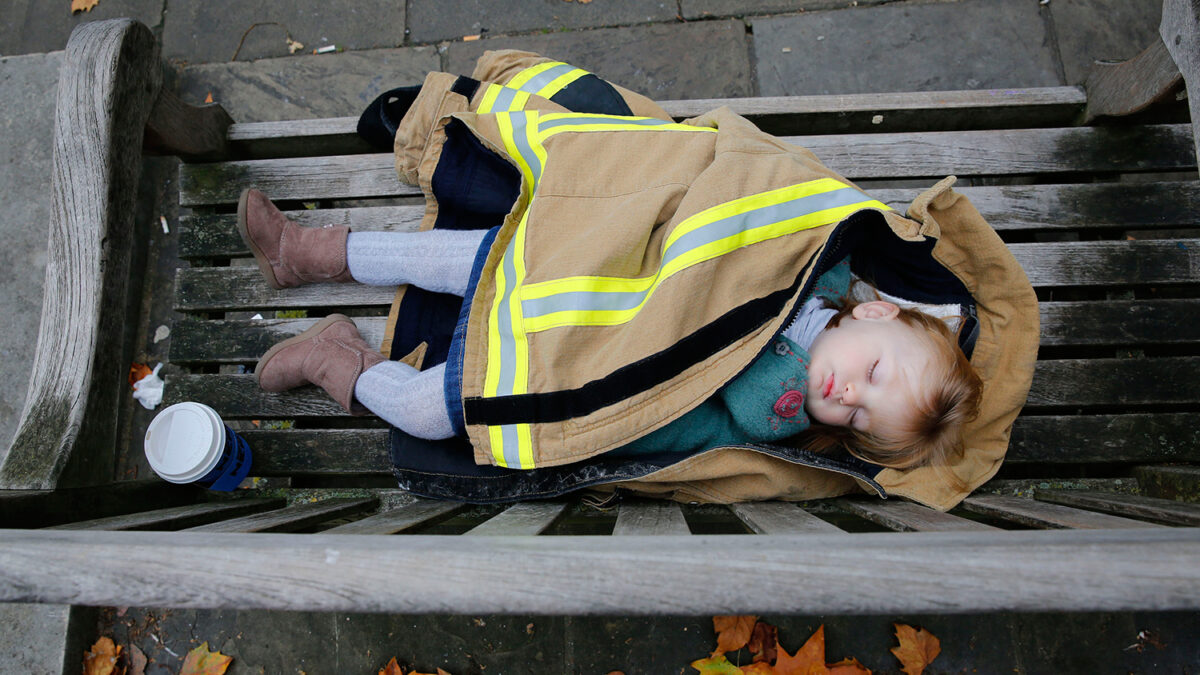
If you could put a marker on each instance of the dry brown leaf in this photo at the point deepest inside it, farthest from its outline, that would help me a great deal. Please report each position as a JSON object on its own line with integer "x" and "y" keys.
{"x": 733, "y": 632}
{"x": 808, "y": 660}
{"x": 200, "y": 661}
{"x": 764, "y": 642}
{"x": 918, "y": 648}
{"x": 103, "y": 658}
{"x": 848, "y": 666}
{"x": 392, "y": 668}
{"x": 758, "y": 668}
{"x": 137, "y": 661}
{"x": 137, "y": 371}
{"x": 208, "y": 98}
{"x": 83, "y": 5}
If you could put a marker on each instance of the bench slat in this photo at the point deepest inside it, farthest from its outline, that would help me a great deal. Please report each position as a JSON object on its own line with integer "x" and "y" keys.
{"x": 1066, "y": 570}
{"x": 1165, "y": 147}
{"x": 1069, "y": 439}
{"x": 524, "y": 519}
{"x": 1127, "y": 206}
{"x": 1056, "y": 384}
{"x": 177, "y": 517}
{"x": 779, "y": 518}
{"x": 1093, "y": 263}
{"x": 1040, "y": 514}
{"x": 1099, "y": 323}
{"x": 650, "y": 519}
{"x": 911, "y": 111}
{"x": 909, "y": 517}
{"x": 291, "y": 518}
{"x": 1151, "y": 508}
{"x": 399, "y": 519}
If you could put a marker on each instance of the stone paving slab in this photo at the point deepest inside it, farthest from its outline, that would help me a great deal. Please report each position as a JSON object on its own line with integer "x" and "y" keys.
{"x": 656, "y": 60}
{"x": 432, "y": 20}
{"x": 38, "y": 26}
{"x": 1089, "y": 30}
{"x": 972, "y": 44}
{"x": 704, "y": 9}
{"x": 298, "y": 87}
{"x": 33, "y": 639}
{"x": 27, "y": 129}
{"x": 206, "y": 32}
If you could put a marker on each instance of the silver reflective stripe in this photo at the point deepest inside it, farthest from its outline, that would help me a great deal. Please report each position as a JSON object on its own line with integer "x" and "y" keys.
{"x": 580, "y": 121}
{"x": 539, "y": 81}
{"x": 521, "y": 139}
{"x": 504, "y": 99}
{"x": 706, "y": 234}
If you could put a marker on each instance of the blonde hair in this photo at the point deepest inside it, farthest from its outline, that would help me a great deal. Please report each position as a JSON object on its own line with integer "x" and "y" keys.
{"x": 932, "y": 436}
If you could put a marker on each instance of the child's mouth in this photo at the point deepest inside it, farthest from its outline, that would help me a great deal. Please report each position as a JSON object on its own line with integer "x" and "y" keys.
{"x": 828, "y": 387}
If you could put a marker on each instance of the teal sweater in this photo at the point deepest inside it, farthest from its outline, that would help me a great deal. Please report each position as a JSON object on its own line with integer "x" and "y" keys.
{"x": 764, "y": 403}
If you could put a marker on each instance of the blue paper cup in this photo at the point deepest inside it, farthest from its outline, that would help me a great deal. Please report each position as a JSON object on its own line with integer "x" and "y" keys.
{"x": 188, "y": 443}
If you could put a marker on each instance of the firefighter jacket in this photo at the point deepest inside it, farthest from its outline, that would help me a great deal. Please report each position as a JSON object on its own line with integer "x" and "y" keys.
{"x": 636, "y": 265}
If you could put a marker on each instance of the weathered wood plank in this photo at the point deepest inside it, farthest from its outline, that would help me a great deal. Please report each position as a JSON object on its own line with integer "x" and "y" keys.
{"x": 1130, "y": 86}
{"x": 1097, "y": 323}
{"x": 1039, "y": 514}
{"x": 400, "y": 518}
{"x": 904, "y": 111}
{"x": 43, "y": 508}
{"x": 779, "y": 518}
{"x": 524, "y": 519}
{"x": 1090, "y": 263}
{"x": 909, "y": 517}
{"x": 944, "y": 572}
{"x": 861, "y": 156}
{"x": 1150, "y": 508}
{"x": 1124, "y": 206}
{"x": 291, "y": 518}
{"x": 1180, "y": 32}
{"x": 178, "y": 517}
{"x": 216, "y": 235}
{"x": 106, "y": 86}
{"x": 649, "y": 519}
{"x": 1088, "y": 439}
{"x": 1181, "y": 483}
{"x": 1056, "y": 384}
{"x": 319, "y": 452}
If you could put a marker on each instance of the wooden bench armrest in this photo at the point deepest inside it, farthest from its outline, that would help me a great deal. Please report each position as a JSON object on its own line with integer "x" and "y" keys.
{"x": 109, "y": 79}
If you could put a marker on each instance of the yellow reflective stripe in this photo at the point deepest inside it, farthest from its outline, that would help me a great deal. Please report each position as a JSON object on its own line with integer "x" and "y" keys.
{"x": 497, "y": 98}
{"x": 557, "y": 123}
{"x": 606, "y": 301}
{"x": 559, "y": 83}
{"x": 529, "y": 73}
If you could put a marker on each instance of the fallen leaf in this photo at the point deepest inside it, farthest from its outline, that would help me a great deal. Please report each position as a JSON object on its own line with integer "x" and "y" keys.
{"x": 716, "y": 665}
{"x": 208, "y": 99}
{"x": 137, "y": 371}
{"x": 137, "y": 661}
{"x": 392, "y": 668}
{"x": 83, "y": 5}
{"x": 200, "y": 661}
{"x": 808, "y": 660}
{"x": 764, "y": 641}
{"x": 759, "y": 668}
{"x": 848, "y": 666}
{"x": 102, "y": 658}
{"x": 294, "y": 46}
{"x": 733, "y": 632}
{"x": 918, "y": 648}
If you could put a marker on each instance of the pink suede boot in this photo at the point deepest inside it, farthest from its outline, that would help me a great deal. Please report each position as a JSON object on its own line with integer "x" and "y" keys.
{"x": 290, "y": 255}
{"x": 330, "y": 355}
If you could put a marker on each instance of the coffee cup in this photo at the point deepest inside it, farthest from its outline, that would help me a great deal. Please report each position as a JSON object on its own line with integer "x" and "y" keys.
{"x": 189, "y": 443}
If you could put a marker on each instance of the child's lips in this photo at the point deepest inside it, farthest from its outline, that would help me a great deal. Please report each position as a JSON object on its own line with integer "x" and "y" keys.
{"x": 828, "y": 387}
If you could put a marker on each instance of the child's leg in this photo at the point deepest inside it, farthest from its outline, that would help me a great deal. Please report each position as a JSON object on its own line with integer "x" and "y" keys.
{"x": 412, "y": 400}
{"x": 436, "y": 260}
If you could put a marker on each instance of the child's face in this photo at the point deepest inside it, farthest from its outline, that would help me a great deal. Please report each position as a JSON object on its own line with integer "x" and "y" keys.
{"x": 865, "y": 371}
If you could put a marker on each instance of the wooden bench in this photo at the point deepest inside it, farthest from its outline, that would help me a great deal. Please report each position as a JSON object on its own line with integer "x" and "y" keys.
{"x": 1100, "y": 212}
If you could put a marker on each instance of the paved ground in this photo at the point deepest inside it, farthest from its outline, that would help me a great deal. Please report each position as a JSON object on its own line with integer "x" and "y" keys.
{"x": 238, "y": 51}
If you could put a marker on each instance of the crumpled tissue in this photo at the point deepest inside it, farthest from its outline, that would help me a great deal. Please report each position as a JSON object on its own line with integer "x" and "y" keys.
{"x": 149, "y": 390}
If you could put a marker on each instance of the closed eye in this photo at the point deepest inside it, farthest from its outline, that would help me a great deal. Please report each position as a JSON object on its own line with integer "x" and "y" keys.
{"x": 871, "y": 372}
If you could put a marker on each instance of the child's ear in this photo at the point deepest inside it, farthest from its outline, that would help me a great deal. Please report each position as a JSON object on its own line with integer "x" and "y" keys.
{"x": 876, "y": 310}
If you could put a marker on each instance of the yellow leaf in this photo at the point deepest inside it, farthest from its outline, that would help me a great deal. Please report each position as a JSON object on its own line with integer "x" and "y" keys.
{"x": 102, "y": 658}
{"x": 733, "y": 632}
{"x": 918, "y": 648}
{"x": 83, "y": 5}
{"x": 716, "y": 665}
{"x": 200, "y": 661}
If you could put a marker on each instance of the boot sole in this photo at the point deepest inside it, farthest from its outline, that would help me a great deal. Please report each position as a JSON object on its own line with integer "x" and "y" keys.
{"x": 264, "y": 265}
{"x": 306, "y": 335}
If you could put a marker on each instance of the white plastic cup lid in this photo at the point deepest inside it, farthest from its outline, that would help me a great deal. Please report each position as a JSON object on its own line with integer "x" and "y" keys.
{"x": 185, "y": 441}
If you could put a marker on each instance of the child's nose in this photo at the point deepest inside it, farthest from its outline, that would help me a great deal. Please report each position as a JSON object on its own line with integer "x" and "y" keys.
{"x": 849, "y": 395}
